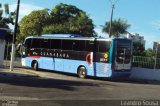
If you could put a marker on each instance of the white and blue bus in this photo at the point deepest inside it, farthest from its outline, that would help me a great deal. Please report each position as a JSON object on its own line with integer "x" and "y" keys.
{"x": 84, "y": 56}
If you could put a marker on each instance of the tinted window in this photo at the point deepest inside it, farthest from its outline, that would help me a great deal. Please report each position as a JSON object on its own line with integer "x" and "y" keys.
{"x": 123, "y": 51}
{"x": 79, "y": 45}
{"x": 45, "y": 43}
{"x": 28, "y": 43}
{"x": 89, "y": 45}
{"x": 67, "y": 44}
{"x": 35, "y": 43}
{"x": 55, "y": 43}
{"x": 103, "y": 46}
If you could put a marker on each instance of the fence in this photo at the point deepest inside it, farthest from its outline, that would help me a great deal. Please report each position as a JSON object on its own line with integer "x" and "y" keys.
{"x": 146, "y": 62}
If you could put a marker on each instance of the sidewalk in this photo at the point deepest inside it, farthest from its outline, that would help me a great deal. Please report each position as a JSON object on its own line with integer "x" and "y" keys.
{"x": 17, "y": 72}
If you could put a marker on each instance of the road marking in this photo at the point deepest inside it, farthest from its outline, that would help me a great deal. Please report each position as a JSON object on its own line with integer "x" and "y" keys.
{"x": 17, "y": 98}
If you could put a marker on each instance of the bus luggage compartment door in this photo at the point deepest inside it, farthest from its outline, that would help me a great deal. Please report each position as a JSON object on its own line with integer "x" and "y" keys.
{"x": 47, "y": 63}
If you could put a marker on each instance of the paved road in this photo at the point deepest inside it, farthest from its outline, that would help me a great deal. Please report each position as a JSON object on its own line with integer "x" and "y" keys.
{"x": 28, "y": 85}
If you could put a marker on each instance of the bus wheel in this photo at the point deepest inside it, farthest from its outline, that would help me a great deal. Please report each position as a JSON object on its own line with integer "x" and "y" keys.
{"x": 82, "y": 72}
{"x": 35, "y": 65}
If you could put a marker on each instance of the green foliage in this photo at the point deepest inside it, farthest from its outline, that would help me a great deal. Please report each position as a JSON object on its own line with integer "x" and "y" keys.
{"x": 33, "y": 23}
{"x": 138, "y": 49}
{"x": 56, "y": 28}
{"x": 9, "y": 19}
{"x": 149, "y": 53}
{"x": 80, "y": 25}
{"x": 69, "y": 19}
{"x": 62, "y": 19}
{"x": 119, "y": 26}
{"x": 63, "y": 13}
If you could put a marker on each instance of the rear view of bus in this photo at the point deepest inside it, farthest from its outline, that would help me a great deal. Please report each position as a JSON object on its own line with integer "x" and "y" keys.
{"x": 121, "y": 57}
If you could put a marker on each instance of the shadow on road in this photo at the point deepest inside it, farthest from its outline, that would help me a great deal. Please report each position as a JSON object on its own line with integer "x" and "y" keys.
{"x": 29, "y": 81}
{"x": 131, "y": 81}
{"x": 120, "y": 80}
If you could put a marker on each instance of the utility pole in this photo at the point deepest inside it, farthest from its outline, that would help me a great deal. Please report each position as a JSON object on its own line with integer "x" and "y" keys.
{"x": 111, "y": 21}
{"x": 14, "y": 37}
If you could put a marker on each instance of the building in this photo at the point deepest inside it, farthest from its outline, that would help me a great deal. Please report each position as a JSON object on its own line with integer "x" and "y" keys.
{"x": 135, "y": 37}
{"x": 156, "y": 48}
{"x": 4, "y": 36}
{"x": 156, "y": 45}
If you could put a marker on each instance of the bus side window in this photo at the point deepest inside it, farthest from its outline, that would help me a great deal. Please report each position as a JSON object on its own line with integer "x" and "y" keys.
{"x": 103, "y": 46}
{"x": 89, "y": 45}
{"x": 45, "y": 43}
{"x": 79, "y": 45}
{"x": 67, "y": 44}
{"x": 35, "y": 43}
{"x": 56, "y": 44}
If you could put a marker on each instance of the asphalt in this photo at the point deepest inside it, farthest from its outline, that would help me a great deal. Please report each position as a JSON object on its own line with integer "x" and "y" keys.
{"x": 27, "y": 72}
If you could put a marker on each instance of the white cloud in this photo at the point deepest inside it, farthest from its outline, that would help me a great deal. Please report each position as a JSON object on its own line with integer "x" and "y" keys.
{"x": 98, "y": 30}
{"x": 156, "y": 24}
{"x": 25, "y": 9}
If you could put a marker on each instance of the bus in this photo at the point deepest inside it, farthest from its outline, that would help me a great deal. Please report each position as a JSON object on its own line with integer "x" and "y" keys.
{"x": 84, "y": 56}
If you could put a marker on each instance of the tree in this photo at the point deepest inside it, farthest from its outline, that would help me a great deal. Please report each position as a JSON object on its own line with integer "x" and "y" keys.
{"x": 119, "y": 26}
{"x": 82, "y": 25}
{"x": 9, "y": 19}
{"x": 149, "y": 53}
{"x": 69, "y": 19}
{"x": 63, "y": 19}
{"x": 138, "y": 49}
{"x": 33, "y": 23}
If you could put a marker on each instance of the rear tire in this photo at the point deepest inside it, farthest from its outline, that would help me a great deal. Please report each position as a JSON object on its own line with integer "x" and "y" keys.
{"x": 35, "y": 66}
{"x": 82, "y": 72}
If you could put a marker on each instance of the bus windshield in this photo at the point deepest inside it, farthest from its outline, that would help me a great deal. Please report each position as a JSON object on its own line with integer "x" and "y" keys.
{"x": 123, "y": 52}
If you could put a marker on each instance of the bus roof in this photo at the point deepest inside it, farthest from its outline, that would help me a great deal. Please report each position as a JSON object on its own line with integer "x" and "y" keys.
{"x": 71, "y": 36}
{"x": 67, "y": 38}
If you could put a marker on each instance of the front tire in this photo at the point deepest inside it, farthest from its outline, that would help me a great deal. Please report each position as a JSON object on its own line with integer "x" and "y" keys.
{"x": 82, "y": 73}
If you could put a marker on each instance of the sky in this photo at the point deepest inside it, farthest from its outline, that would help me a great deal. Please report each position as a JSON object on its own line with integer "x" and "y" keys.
{"x": 142, "y": 15}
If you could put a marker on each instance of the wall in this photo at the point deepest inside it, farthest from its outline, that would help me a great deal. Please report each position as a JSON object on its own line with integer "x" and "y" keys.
{"x": 146, "y": 74}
